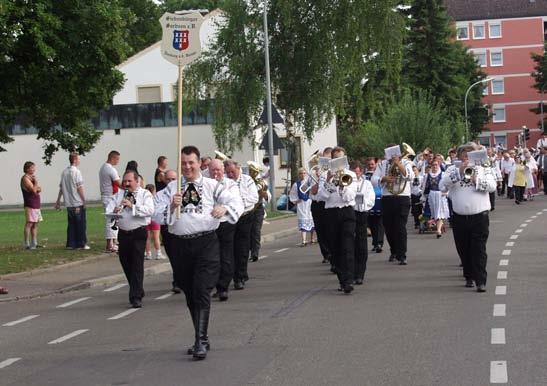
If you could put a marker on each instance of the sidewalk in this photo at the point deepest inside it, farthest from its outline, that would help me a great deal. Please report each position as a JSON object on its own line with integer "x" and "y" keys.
{"x": 104, "y": 269}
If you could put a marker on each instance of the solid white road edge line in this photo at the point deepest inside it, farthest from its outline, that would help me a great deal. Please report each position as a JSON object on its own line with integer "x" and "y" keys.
{"x": 16, "y": 322}
{"x": 497, "y": 336}
{"x": 499, "y": 310}
{"x": 501, "y": 290}
{"x": 124, "y": 314}
{"x": 8, "y": 362}
{"x": 498, "y": 372}
{"x": 68, "y": 304}
{"x": 68, "y": 336}
{"x": 117, "y": 286}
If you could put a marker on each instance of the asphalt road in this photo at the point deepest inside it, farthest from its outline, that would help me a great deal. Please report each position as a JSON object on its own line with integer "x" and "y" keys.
{"x": 410, "y": 325}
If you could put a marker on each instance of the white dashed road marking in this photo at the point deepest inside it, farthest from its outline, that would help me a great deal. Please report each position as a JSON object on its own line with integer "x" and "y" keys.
{"x": 497, "y": 336}
{"x": 510, "y": 244}
{"x": 528, "y": 220}
{"x": 281, "y": 250}
{"x": 504, "y": 262}
{"x": 523, "y": 225}
{"x": 22, "y": 320}
{"x": 506, "y": 252}
{"x": 68, "y": 336}
{"x": 68, "y": 304}
{"x": 262, "y": 257}
{"x": 498, "y": 372}
{"x": 502, "y": 275}
{"x": 168, "y": 294}
{"x": 514, "y": 237}
{"x": 534, "y": 217}
{"x": 8, "y": 362}
{"x": 501, "y": 290}
{"x": 124, "y": 314}
{"x": 117, "y": 286}
{"x": 499, "y": 310}
{"x": 518, "y": 230}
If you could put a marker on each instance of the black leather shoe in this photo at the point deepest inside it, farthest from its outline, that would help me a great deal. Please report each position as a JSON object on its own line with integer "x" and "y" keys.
{"x": 481, "y": 288}
{"x": 469, "y": 283}
{"x": 190, "y": 350}
{"x": 136, "y": 304}
{"x": 253, "y": 259}
{"x": 215, "y": 295}
{"x": 176, "y": 290}
{"x": 392, "y": 258}
{"x": 402, "y": 262}
{"x": 358, "y": 282}
{"x": 378, "y": 249}
{"x": 223, "y": 296}
{"x": 348, "y": 288}
{"x": 239, "y": 285}
{"x": 325, "y": 261}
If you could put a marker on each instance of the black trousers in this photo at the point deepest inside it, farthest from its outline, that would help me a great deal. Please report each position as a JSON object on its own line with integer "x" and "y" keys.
{"x": 504, "y": 183}
{"x": 256, "y": 230}
{"x": 225, "y": 234}
{"x": 242, "y": 239}
{"x": 165, "y": 238}
{"x": 470, "y": 237}
{"x": 131, "y": 252}
{"x": 376, "y": 226}
{"x": 417, "y": 208}
{"x": 197, "y": 266}
{"x": 519, "y": 193}
{"x": 319, "y": 216}
{"x": 492, "y": 200}
{"x": 76, "y": 230}
{"x": 395, "y": 210}
{"x": 544, "y": 178}
{"x": 340, "y": 231}
{"x": 361, "y": 246}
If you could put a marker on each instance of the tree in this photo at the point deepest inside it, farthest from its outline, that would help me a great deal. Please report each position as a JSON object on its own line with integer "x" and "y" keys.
{"x": 180, "y": 5}
{"x": 57, "y": 65}
{"x": 417, "y": 118}
{"x": 317, "y": 49}
{"x": 145, "y": 29}
{"x": 540, "y": 77}
{"x": 435, "y": 61}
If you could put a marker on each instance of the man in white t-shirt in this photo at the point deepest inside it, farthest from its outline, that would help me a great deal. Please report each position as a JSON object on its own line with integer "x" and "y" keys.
{"x": 71, "y": 189}
{"x": 542, "y": 142}
{"x": 109, "y": 181}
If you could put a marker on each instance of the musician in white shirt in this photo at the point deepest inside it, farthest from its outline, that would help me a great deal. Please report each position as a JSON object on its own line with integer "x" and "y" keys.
{"x": 506, "y": 165}
{"x": 340, "y": 225}
{"x": 242, "y": 239}
{"x": 319, "y": 216}
{"x": 395, "y": 204}
{"x": 226, "y": 230}
{"x": 470, "y": 222}
{"x": 133, "y": 208}
{"x": 194, "y": 246}
{"x": 364, "y": 201}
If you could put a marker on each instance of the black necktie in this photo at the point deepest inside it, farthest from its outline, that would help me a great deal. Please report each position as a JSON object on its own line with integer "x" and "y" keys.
{"x": 190, "y": 195}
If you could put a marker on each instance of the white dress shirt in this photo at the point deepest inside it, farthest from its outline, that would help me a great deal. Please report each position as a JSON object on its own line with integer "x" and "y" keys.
{"x": 247, "y": 191}
{"x": 338, "y": 196}
{"x": 160, "y": 217}
{"x": 196, "y": 217}
{"x": 138, "y": 215}
{"x": 236, "y": 203}
{"x": 506, "y": 165}
{"x": 382, "y": 170}
{"x": 416, "y": 185}
{"x": 469, "y": 198}
{"x": 364, "y": 196}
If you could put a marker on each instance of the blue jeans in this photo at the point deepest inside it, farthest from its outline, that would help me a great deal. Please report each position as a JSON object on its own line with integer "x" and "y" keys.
{"x": 76, "y": 229}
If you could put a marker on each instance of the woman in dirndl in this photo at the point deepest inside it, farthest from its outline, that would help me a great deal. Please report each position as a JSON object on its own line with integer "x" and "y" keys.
{"x": 303, "y": 209}
{"x": 436, "y": 200}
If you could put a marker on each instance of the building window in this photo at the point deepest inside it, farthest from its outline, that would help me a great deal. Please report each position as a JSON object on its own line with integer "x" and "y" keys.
{"x": 149, "y": 94}
{"x": 501, "y": 140}
{"x": 480, "y": 57}
{"x": 498, "y": 86}
{"x": 496, "y": 58}
{"x": 484, "y": 141}
{"x": 495, "y": 29}
{"x": 462, "y": 32}
{"x": 499, "y": 114}
{"x": 478, "y": 31}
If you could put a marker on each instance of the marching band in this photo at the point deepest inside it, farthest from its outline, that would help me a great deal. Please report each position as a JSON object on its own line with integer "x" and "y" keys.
{"x": 207, "y": 227}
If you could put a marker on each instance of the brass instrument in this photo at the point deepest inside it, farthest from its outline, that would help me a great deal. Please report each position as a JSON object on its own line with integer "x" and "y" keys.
{"x": 468, "y": 174}
{"x": 314, "y": 170}
{"x": 398, "y": 186}
{"x": 254, "y": 172}
{"x": 337, "y": 167}
{"x": 221, "y": 156}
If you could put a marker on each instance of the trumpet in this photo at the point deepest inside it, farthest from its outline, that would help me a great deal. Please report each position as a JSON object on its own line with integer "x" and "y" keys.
{"x": 468, "y": 174}
{"x": 337, "y": 167}
{"x": 342, "y": 179}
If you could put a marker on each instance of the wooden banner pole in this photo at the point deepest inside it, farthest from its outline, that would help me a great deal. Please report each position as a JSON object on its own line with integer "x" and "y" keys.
{"x": 179, "y": 136}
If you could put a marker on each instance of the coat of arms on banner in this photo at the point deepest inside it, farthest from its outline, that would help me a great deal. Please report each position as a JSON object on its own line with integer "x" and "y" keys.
{"x": 180, "y": 40}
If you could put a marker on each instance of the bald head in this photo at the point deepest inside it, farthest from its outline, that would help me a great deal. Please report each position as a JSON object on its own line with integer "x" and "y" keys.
{"x": 216, "y": 169}
{"x": 170, "y": 175}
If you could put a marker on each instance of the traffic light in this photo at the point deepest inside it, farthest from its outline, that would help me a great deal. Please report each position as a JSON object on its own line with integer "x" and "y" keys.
{"x": 526, "y": 134}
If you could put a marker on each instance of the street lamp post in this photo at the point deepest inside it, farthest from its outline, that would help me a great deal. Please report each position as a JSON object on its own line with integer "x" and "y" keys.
{"x": 269, "y": 107}
{"x": 541, "y": 106}
{"x": 465, "y": 105}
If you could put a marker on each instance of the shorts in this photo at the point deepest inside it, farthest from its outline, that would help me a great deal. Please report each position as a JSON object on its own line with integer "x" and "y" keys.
{"x": 153, "y": 226}
{"x": 33, "y": 215}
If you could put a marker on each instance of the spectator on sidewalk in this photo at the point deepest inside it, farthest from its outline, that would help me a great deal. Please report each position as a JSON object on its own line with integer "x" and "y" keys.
{"x": 71, "y": 189}
{"x": 134, "y": 166}
{"x": 542, "y": 168}
{"x": 109, "y": 181}
{"x": 31, "y": 202}
{"x": 303, "y": 209}
{"x": 520, "y": 179}
{"x": 159, "y": 175}
{"x": 3, "y": 291}
{"x": 153, "y": 230}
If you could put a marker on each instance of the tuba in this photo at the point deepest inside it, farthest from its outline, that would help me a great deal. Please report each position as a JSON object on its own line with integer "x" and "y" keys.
{"x": 254, "y": 172}
{"x": 398, "y": 186}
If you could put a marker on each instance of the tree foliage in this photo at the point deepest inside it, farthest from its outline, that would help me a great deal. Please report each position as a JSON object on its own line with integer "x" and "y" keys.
{"x": 540, "y": 76}
{"x": 417, "y": 118}
{"x": 180, "y": 5}
{"x": 145, "y": 28}
{"x": 57, "y": 65}
{"x": 317, "y": 56}
{"x": 435, "y": 61}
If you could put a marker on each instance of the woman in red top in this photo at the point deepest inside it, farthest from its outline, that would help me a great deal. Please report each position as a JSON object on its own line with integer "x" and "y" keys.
{"x": 31, "y": 199}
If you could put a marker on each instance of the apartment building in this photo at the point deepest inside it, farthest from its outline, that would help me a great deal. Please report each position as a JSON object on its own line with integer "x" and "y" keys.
{"x": 502, "y": 34}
